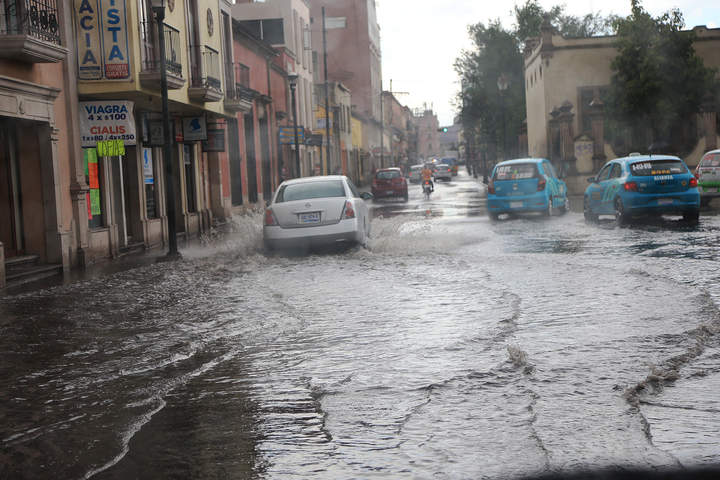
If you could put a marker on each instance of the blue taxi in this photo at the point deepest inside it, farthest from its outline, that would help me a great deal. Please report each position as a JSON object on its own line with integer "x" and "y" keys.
{"x": 525, "y": 185}
{"x": 643, "y": 185}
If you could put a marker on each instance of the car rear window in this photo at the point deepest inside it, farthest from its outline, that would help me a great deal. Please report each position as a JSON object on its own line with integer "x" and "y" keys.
{"x": 387, "y": 174}
{"x": 517, "y": 171}
{"x": 308, "y": 190}
{"x": 648, "y": 168}
{"x": 712, "y": 160}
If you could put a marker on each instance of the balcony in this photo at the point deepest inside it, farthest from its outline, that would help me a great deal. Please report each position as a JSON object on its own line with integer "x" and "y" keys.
{"x": 206, "y": 85}
{"x": 238, "y": 94}
{"x": 30, "y": 31}
{"x": 150, "y": 73}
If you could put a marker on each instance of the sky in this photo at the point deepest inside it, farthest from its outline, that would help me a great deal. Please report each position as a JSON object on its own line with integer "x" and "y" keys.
{"x": 422, "y": 38}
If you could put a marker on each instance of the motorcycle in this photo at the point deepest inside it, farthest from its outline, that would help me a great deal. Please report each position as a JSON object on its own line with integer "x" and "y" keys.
{"x": 427, "y": 189}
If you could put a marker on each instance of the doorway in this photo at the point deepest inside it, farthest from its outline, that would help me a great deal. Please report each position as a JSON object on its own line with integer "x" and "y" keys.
{"x": 12, "y": 234}
{"x": 250, "y": 155}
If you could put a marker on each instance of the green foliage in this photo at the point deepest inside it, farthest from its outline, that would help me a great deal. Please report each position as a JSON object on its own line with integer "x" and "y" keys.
{"x": 489, "y": 115}
{"x": 658, "y": 81}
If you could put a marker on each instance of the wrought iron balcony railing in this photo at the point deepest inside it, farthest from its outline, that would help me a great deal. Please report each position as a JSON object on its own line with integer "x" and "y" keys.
{"x": 237, "y": 80}
{"x": 206, "y": 73}
{"x": 36, "y": 18}
{"x": 151, "y": 50}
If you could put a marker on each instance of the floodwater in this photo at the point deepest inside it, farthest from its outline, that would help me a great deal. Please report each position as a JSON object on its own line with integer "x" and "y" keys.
{"x": 451, "y": 348}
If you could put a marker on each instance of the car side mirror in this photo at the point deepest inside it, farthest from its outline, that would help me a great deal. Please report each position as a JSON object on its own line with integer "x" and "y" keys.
{"x": 592, "y": 180}
{"x": 267, "y": 203}
{"x": 366, "y": 196}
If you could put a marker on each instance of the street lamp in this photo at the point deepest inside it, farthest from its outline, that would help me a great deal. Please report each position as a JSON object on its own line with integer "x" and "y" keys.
{"x": 502, "y": 84}
{"x": 158, "y": 7}
{"x": 292, "y": 79}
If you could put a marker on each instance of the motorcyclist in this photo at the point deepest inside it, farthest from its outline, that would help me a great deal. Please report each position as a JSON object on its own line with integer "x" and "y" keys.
{"x": 427, "y": 176}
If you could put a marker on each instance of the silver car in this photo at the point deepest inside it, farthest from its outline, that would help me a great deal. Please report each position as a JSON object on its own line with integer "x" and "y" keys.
{"x": 316, "y": 211}
{"x": 443, "y": 171}
{"x": 708, "y": 175}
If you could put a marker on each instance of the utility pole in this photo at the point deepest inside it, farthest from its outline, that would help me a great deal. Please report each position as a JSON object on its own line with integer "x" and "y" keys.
{"x": 326, "y": 166}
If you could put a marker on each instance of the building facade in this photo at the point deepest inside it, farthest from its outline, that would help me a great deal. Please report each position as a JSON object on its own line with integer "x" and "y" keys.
{"x": 41, "y": 181}
{"x": 565, "y": 113}
{"x": 428, "y": 138}
{"x": 353, "y": 59}
{"x": 285, "y": 24}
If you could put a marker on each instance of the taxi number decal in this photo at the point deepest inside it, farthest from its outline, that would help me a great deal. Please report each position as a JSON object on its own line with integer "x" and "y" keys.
{"x": 662, "y": 178}
{"x": 660, "y": 172}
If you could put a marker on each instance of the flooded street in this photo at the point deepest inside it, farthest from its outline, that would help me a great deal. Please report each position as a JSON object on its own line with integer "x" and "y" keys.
{"x": 452, "y": 347}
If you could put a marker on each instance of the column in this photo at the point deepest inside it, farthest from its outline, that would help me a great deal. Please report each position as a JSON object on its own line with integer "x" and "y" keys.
{"x": 597, "y": 125}
{"x": 55, "y": 248}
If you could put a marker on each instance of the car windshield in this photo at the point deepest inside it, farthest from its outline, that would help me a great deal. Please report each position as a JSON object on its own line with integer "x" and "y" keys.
{"x": 222, "y": 223}
{"x": 647, "y": 168}
{"x": 387, "y": 174}
{"x": 309, "y": 190}
{"x": 516, "y": 171}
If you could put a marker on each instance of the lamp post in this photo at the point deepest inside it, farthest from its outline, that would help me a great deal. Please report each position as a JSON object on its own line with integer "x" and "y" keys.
{"x": 292, "y": 79}
{"x": 158, "y": 7}
{"x": 502, "y": 84}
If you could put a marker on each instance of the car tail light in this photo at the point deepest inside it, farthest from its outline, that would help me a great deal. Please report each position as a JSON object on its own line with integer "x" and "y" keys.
{"x": 630, "y": 186}
{"x": 693, "y": 182}
{"x": 397, "y": 180}
{"x": 270, "y": 218}
{"x": 348, "y": 211}
{"x": 541, "y": 184}
{"x": 491, "y": 187}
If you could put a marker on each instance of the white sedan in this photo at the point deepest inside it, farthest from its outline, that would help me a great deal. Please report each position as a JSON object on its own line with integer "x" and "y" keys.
{"x": 316, "y": 211}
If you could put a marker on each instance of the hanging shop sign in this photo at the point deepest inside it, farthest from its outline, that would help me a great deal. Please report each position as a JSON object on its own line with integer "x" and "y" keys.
{"x": 215, "y": 140}
{"x": 315, "y": 140}
{"x": 148, "y": 175}
{"x": 109, "y": 120}
{"x": 93, "y": 179}
{"x": 102, "y": 40}
{"x": 288, "y": 137}
{"x": 88, "y": 42}
{"x": 194, "y": 129}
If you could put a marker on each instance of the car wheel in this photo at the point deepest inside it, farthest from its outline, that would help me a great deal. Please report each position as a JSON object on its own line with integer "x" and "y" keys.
{"x": 564, "y": 207}
{"x": 493, "y": 216}
{"x": 705, "y": 201}
{"x": 405, "y": 197}
{"x": 621, "y": 218}
{"x": 692, "y": 217}
{"x": 587, "y": 213}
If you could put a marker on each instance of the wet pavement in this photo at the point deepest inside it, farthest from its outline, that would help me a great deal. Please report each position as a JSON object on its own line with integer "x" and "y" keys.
{"x": 452, "y": 348}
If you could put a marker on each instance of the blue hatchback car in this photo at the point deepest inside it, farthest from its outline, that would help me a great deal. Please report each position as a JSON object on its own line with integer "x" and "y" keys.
{"x": 525, "y": 185}
{"x": 643, "y": 185}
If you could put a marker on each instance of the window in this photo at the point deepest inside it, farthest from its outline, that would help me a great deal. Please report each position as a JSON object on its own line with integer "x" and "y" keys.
{"x": 310, "y": 190}
{"x": 616, "y": 171}
{"x": 271, "y": 30}
{"x": 387, "y": 174}
{"x": 189, "y": 163}
{"x": 585, "y": 96}
{"x": 150, "y": 174}
{"x": 711, "y": 160}
{"x": 549, "y": 170}
{"x": 604, "y": 173}
{"x": 353, "y": 189}
{"x": 518, "y": 171}
{"x": 657, "y": 167}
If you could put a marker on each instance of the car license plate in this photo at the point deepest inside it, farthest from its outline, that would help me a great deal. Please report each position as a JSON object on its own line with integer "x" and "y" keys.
{"x": 313, "y": 217}
{"x": 516, "y": 204}
{"x": 665, "y": 201}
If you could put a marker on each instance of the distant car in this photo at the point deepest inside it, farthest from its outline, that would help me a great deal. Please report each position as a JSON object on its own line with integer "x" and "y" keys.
{"x": 314, "y": 211}
{"x": 415, "y": 175}
{"x": 442, "y": 171}
{"x": 453, "y": 164}
{"x": 708, "y": 175}
{"x": 525, "y": 185}
{"x": 643, "y": 185}
{"x": 389, "y": 182}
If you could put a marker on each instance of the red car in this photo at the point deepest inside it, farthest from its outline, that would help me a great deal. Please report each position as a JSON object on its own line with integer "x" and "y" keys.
{"x": 389, "y": 182}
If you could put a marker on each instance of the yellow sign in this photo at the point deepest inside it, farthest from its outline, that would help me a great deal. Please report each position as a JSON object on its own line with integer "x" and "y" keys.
{"x": 111, "y": 148}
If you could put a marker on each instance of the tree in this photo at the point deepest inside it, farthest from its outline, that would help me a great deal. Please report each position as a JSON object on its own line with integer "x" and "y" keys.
{"x": 658, "y": 83}
{"x": 492, "y": 117}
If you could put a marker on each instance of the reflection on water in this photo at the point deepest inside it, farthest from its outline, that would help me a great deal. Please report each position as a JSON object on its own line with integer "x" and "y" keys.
{"x": 452, "y": 347}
